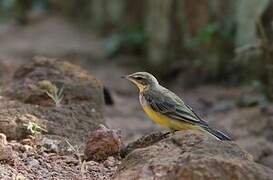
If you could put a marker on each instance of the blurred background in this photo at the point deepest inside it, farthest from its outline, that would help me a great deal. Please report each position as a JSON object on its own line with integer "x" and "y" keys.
{"x": 217, "y": 55}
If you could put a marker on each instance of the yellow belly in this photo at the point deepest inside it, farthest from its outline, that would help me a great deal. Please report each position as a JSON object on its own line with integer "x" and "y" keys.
{"x": 167, "y": 122}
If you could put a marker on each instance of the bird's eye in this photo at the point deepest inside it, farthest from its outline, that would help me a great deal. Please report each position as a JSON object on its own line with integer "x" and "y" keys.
{"x": 138, "y": 78}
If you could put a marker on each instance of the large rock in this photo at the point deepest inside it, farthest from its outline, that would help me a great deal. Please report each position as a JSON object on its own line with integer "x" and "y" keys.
{"x": 252, "y": 129}
{"x": 102, "y": 143}
{"x": 31, "y": 80}
{"x": 79, "y": 112}
{"x": 191, "y": 155}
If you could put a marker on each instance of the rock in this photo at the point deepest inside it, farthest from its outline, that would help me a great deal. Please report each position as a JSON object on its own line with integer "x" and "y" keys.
{"x": 102, "y": 143}
{"x": 18, "y": 147}
{"x": 13, "y": 123}
{"x": 191, "y": 155}
{"x": 58, "y": 144}
{"x": 19, "y": 177}
{"x": 6, "y": 152}
{"x": 79, "y": 112}
{"x": 3, "y": 139}
{"x": 28, "y": 149}
{"x": 31, "y": 80}
{"x": 110, "y": 162}
{"x": 32, "y": 162}
{"x": 50, "y": 145}
{"x": 144, "y": 141}
{"x": 28, "y": 142}
{"x": 252, "y": 129}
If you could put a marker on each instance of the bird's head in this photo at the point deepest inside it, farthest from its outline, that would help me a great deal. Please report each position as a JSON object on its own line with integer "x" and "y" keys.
{"x": 142, "y": 80}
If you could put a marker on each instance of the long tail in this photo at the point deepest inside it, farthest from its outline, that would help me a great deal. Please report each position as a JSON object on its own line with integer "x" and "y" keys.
{"x": 217, "y": 134}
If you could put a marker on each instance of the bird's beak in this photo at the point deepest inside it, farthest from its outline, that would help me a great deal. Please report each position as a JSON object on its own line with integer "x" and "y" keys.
{"x": 126, "y": 77}
{"x": 131, "y": 79}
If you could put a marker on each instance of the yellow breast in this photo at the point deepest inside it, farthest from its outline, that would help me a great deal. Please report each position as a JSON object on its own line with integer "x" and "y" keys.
{"x": 166, "y": 121}
{"x": 156, "y": 117}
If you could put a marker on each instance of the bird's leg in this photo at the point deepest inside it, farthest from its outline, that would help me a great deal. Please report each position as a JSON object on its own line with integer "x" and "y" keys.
{"x": 167, "y": 133}
{"x": 172, "y": 131}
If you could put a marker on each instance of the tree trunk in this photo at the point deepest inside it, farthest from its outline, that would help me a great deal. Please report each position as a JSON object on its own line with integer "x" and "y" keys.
{"x": 265, "y": 32}
{"x": 248, "y": 12}
{"x": 164, "y": 28}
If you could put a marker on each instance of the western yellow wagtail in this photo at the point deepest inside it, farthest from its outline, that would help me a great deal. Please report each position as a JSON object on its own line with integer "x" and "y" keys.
{"x": 166, "y": 108}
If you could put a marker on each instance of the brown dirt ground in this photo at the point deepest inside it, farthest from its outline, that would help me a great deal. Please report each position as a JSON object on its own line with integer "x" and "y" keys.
{"x": 55, "y": 37}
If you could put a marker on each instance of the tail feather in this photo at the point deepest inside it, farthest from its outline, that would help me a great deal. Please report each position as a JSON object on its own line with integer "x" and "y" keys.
{"x": 217, "y": 134}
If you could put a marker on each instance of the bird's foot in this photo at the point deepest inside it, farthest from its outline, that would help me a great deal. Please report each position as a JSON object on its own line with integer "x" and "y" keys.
{"x": 172, "y": 131}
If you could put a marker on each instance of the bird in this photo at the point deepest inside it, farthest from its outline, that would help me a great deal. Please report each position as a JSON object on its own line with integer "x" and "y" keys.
{"x": 166, "y": 109}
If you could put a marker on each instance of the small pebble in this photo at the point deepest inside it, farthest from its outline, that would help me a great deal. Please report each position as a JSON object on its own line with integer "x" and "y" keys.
{"x": 32, "y": 162}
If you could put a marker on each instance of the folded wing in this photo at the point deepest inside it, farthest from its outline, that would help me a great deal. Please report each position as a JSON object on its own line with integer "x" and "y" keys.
{"x": 170, "y": 107}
